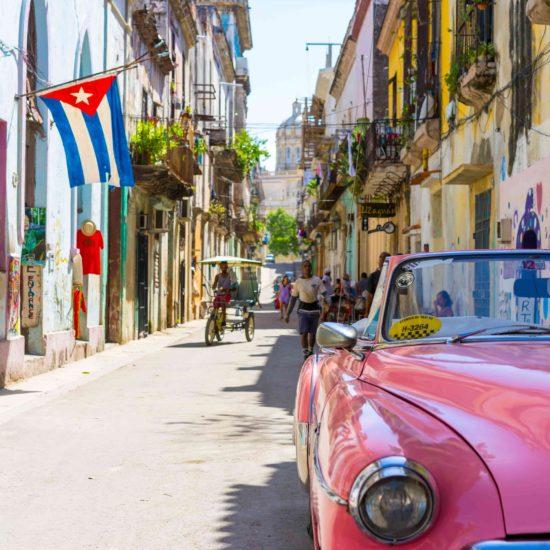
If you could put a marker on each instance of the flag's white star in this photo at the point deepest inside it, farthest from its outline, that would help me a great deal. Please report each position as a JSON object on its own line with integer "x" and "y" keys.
{"x": 81, "y": 96}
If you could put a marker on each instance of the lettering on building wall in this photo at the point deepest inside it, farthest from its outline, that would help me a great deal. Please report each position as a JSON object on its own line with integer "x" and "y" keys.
{"x": 379, "y": 210}
{"x": 31, "y": 298}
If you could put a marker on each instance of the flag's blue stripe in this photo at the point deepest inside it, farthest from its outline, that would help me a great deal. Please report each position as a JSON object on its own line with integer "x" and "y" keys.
{"x": 120, "y": 144}
{"x": 74, "y": 164}
{"x": 99, "y": 144}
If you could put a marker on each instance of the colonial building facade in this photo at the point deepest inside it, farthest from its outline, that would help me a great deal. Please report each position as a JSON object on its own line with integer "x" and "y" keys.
{"x": 445, "y": 103}
{"x": 182, "y": 104}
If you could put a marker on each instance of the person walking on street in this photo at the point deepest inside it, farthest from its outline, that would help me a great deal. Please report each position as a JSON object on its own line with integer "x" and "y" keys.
{"x": 362, "y": 284}
{"x": 308, "y": 290}
{"x": 372, "y": 282}
{"x": 284, "y": 295}
{"x": 327, "y": 283}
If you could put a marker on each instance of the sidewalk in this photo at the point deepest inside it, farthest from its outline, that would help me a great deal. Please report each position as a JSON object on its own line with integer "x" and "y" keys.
{"x": 35, "y": 391}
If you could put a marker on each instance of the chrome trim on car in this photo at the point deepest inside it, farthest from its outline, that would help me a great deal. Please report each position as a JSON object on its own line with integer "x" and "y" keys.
{"x": 511, "y": 545}
{"x": 301, "y": 432}
{"x": 404, "y": 467}
{"x": 319, "y": 474}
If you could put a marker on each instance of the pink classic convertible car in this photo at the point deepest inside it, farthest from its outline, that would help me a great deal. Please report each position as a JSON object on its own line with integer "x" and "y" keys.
{"x": 428, "y": 424}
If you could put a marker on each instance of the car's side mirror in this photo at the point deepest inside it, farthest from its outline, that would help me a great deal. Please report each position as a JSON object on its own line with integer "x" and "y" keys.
{"x": 336, "y": 335}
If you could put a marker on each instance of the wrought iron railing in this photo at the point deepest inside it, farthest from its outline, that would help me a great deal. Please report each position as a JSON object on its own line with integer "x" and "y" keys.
{"x": 383, "y": 142}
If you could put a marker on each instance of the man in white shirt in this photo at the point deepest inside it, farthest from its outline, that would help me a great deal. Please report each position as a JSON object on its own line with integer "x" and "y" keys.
{"x": 307, "y": 290}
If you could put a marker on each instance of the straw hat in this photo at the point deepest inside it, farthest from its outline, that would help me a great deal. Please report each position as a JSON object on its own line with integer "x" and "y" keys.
{"x": 88, "y": 228}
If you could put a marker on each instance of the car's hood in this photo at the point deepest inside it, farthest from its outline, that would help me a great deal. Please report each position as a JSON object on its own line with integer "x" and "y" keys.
{"x": 497, "y": 397}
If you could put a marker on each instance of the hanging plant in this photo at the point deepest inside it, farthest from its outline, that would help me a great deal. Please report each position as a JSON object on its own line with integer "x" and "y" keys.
{"x": 149, "y": 142}
{"x": 250, "y": 151}
{"x": 216, "y": 208}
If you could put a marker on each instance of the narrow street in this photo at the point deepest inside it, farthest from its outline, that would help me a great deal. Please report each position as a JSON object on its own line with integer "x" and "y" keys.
{"x": 188, "y": 448}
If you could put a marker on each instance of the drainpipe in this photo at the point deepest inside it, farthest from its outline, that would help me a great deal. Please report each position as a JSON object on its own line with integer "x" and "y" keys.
{"x": 104, "y": 199}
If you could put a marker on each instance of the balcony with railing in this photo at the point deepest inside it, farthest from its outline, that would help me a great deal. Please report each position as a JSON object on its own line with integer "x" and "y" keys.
{"x": 383, "y": 141}
{"x": 242, "y": 73}
{"x": 163, "y": 158}
{"x": 473, "y": 73}
{"x": 147, "y": 26}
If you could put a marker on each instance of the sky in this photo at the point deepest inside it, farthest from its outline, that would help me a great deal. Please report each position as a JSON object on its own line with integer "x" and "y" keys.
{"x": 280, "y": 68}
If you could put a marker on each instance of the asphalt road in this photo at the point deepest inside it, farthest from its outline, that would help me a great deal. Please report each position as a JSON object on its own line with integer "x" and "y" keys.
{"x": 190, "y": 447}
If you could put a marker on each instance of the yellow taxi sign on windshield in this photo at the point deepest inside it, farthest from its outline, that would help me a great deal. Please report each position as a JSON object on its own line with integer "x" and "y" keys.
{"x": 415, "y": 327}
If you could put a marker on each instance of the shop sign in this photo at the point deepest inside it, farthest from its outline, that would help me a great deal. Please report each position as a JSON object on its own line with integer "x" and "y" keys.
{"x": 379, "y": 210}
{"x": 34, "y": 247}
{"x": 31, "y": 298}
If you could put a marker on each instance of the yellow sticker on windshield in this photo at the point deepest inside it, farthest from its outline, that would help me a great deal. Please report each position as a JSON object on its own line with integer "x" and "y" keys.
{"x": 415, "y": 327}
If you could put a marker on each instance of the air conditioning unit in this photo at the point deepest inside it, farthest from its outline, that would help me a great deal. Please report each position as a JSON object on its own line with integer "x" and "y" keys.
{"x": 504, "y": 230}
{"x": 143, "y": 221}
{"x": 160, "y": 221}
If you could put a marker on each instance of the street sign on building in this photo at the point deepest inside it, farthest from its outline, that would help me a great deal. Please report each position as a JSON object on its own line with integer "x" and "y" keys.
{"x": 379, "y": 209}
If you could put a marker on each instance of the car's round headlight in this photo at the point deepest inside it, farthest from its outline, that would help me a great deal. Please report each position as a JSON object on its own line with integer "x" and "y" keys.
{"x": 393, "y": 500}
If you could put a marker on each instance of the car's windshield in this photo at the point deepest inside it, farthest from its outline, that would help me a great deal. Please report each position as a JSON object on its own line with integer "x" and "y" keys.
{"x": 453, "y": 296}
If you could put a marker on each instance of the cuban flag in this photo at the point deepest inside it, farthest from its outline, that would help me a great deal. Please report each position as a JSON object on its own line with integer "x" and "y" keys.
{"x": 89, "y": 118}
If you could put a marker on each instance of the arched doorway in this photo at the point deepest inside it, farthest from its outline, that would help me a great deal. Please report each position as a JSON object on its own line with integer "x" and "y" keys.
{"x": 529, "y": 241}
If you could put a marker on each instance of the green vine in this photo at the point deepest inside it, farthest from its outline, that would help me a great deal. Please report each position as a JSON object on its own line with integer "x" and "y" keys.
{"x": 216, "y": 208}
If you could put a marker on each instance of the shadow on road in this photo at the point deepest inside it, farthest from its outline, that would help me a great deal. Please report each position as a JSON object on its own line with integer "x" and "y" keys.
{"x": 279, "y": 376}
{"x": 265, "y": 516}
{"x": 6, "y": 391}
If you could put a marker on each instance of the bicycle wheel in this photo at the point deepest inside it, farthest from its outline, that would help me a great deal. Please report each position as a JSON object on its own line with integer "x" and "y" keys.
{"x": 249, "y": 328}
{"x": 210, "y": 330}
{"x": 220, "y": 329}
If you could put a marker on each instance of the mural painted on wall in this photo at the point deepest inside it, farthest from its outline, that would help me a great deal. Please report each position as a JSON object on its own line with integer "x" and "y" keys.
{"x": 34, "y": 247}
{"x": 525, "y": 199}
{"x": 14, "y": 284}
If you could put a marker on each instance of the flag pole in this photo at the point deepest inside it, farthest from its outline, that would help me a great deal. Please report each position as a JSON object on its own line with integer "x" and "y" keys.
{"x": 114, "y": 70}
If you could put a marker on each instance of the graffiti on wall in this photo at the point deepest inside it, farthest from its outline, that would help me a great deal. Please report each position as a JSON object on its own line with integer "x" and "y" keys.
{"x": 523, "y": 200}
{"x": 34, "y": 247}
{"x": 31, "y": 300}
{"x": 528, "y": 228}
{"x": 14, "y": 284}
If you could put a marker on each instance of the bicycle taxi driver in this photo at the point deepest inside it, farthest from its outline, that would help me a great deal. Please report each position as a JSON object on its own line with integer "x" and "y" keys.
{"x": 223, "y": 285}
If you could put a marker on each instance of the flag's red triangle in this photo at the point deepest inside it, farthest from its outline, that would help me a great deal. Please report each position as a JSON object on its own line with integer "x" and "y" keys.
{"x": 85, "y": 95}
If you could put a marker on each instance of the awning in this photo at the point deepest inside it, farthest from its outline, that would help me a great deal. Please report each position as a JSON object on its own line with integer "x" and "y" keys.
{"x": 231, "y": 260}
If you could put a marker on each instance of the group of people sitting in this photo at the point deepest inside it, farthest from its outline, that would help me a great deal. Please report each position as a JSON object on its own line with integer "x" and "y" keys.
{"x": 349, "y": 300}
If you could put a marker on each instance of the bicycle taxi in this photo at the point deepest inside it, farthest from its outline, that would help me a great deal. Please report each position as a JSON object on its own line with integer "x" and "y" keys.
{"x": 245, "y": 294}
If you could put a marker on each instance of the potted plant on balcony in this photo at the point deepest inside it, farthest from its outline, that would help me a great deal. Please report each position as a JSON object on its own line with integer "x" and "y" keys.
{"x": 249, "y": 150}
{"x": 149, "y": 142}
{"x": 216, "y": 210}
{"x": 476, "y": 85}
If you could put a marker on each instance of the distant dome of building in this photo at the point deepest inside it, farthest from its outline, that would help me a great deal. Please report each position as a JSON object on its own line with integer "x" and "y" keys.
{"x": 296, "y": 118}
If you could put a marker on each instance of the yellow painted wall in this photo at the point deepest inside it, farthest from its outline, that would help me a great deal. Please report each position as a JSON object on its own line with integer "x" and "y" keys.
{"x": 395, "y": 69}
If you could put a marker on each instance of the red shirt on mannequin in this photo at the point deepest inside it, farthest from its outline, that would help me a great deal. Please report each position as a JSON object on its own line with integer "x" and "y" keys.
{"x": 90, "y": 250}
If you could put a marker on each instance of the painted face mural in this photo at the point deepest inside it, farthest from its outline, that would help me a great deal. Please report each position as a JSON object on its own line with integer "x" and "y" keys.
{"x": 529, "y": 232}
